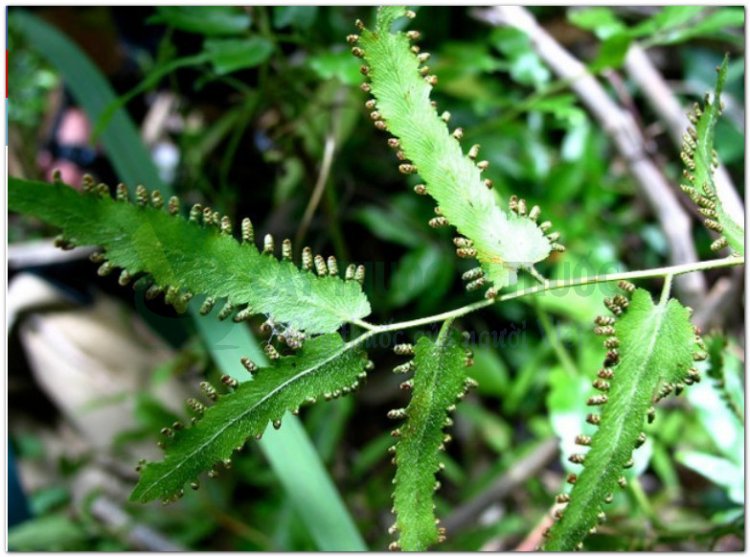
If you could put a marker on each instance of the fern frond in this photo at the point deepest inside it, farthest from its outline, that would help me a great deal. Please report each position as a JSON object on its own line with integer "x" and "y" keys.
{"x": 503, "y": 241}
{"x": 700, "y": 163}
{"x": 325, "y": 367}
{"x": 439, "y": 380}
{"x": 715, "y": 346}
{"x": 182, "y": 258}
{"x": 650, "y": 353}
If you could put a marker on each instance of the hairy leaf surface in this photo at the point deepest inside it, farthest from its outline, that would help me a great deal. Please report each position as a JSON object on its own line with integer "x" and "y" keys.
{"x": 324, "y": 366}
{"x": 502, "y": 241}
{"x": 439, "y": 379}
{"x": 193, "y": 258}
{"x": 700, "y": 161}
{"x": 656, "y": 348}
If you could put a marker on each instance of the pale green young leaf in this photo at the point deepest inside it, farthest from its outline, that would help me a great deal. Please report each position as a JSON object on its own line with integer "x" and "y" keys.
{"x": 656, "y": 349}
{"x": 229, "y": 55}
{"x": 191, "y": 258}
{"x": 700, "y": 160}
{"x": 600, "y": 19}
{"x": 324, "y": 366}
{"x": 439, "y": 379}
{"x": 205, "y": 20}
{"x": 503, "y": 241}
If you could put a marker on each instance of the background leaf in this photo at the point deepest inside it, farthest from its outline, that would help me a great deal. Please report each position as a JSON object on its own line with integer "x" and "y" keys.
{"x": 229, "y": 55}
{"x": 204, "y": 20}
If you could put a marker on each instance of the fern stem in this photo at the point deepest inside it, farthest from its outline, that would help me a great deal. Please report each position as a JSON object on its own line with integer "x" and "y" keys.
{"x": 444, "y": 329}
{"x": 641, "y": 499}
{"x": 666, "y": 289}
{"x": 670, "y": 271}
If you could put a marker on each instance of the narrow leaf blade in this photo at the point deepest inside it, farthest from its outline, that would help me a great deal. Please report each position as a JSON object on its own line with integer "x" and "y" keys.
{"x": 325, "y": 365}
{"x": 185, "y": 255}
{"x": 289, "y": 450}
{"x": 502, "y": 241}
{"x": 656, "y": 348}
{"x": 700, "y": 159}
{"x": 439, "y": 379}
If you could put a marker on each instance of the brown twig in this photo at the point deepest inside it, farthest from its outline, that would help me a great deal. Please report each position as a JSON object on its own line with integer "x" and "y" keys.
{"x": 521, "y": 471}
{"x": 534, "y": 538}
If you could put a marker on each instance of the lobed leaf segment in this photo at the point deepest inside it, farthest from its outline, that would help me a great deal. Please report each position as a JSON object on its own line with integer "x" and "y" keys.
{"x": 155, "y": 246}
{"x": 439, "y": 380}
{"x": 325, "y": 367}
{"x": 715, "y": 346}
{"x": 700, "y": 161}
{"x": 502, "y": 241}
{"x": 650, "y": 354}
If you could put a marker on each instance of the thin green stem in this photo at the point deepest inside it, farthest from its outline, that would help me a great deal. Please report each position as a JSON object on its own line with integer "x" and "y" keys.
{"x": 444, "y": 332}
{"x": 557, "y": 285}
{"x": 554, "y": 340}
{"x": 666, "y": 289}
{"x": 636, "y": 491}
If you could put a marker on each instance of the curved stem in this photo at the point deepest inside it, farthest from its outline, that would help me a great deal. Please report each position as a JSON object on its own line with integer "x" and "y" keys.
{"x": 666, "y": 289}
{"x": 668, "y": 272}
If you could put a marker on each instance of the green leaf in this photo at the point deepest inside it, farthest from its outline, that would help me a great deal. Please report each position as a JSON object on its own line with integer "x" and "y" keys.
{"x": 336, "y": 65}
{"x": 288, "y": 450}
{"x": 48, "y": 533}
{"x": 723, "y": 380}
{"x": 656, "y": 345}
{"x": 192, "y": 259}
{"x": 721, "y": 471}
{"x": 713, "y": 25}
{"x": 324, "y": 367}
{"x": 700, "y": 159}
{"x": 300, "y": 17}
{"x": 719, "y": 406}
{"x": 602, "y": 21}
{"x": 611, "y": 52}
{"x": 229, "y": 55}
{"x": 503, "y": 241}
{"x": 670, "y": 17}
{"x": 391, "y": 226}
{"x": 204, "y": 20}
{"x": 524, "y": 63}
{"x": 489, "y": 371}
{"x": 439, "y": 379}
{"x": 706, "y": 23}
{"x": 416, "y": 272}
{"x": 721, "y": 423}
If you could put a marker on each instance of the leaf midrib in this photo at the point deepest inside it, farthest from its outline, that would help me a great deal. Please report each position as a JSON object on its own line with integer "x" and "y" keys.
{"x": 625, "y": 417}
{"x": 243, "y": 415}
